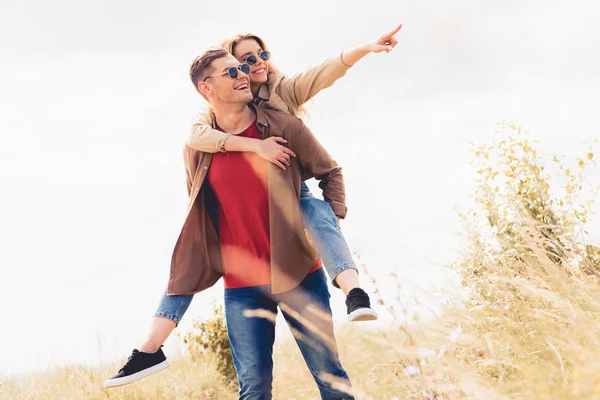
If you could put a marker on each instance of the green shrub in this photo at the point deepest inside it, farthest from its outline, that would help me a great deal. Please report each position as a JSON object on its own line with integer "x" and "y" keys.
{"x": 208, "y": 340}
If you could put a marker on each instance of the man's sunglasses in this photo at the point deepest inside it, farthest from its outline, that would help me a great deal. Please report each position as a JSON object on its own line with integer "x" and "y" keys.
{"x": 233, "y": 71}
{"x": 264, "y": 55}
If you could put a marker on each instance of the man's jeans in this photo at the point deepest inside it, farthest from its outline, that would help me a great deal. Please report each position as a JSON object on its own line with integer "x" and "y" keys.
{"x": 308, "y": 314}
{"x": 322, "y": 225}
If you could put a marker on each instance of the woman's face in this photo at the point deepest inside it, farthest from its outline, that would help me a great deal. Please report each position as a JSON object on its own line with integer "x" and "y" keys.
{"x": 258, "y": 71}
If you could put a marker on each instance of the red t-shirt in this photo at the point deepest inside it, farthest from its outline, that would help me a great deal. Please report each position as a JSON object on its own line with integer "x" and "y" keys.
{"x": 239, "y": 182}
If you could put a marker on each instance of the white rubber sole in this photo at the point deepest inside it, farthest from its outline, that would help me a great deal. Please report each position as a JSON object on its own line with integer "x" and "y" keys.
{"x": 111, "y": 383}
{"x": 363, "y": 314}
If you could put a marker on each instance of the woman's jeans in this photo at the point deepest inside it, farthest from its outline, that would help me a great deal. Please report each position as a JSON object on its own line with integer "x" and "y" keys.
{"x": 322, "y": 225}
{"x": 308, "y": 314}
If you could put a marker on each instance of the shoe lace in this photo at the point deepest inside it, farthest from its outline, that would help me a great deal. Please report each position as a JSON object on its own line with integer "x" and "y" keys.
{"x": 361, "y": 299}
{"x": 130, "y": 359}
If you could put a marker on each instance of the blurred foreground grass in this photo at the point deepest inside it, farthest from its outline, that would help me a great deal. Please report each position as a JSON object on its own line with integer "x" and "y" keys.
{"x": 360, "y": 349}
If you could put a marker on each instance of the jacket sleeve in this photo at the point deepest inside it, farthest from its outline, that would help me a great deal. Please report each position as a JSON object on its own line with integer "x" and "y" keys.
{"x": 187, "y": 162}
{"x": 202, "y": 136}
{"x": 303, "y": 86}
{"x": 315, "y": 162}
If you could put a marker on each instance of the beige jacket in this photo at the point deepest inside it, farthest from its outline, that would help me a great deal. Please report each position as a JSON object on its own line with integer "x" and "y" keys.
{"x": 280, "y": 92}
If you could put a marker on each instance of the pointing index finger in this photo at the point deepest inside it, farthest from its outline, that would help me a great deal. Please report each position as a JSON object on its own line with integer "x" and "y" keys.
{"x": 392, "y": 33}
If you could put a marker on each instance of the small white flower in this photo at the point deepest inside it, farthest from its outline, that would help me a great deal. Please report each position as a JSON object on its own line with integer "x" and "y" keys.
{"x": 442, "y": 351}
{"x": 456, "y": 333}
{"x": 412, "y": 370}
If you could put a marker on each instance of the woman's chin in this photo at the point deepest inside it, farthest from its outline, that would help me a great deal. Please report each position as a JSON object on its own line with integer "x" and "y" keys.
{"x": 258, "y": 78}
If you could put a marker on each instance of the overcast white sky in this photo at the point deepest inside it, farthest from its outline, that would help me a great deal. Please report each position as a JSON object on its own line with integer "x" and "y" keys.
{"x": 95, "y": 103}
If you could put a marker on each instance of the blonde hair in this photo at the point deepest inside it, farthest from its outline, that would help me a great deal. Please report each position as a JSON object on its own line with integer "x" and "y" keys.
{"x": 230, "y": 44}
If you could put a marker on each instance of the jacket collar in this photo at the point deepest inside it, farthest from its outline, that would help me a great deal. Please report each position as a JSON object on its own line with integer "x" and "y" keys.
{"x": 263, "y": 92}
{"x": 261, "y": 117}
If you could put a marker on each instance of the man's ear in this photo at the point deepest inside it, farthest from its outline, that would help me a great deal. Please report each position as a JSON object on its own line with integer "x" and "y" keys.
{"x": 204, "y": 88}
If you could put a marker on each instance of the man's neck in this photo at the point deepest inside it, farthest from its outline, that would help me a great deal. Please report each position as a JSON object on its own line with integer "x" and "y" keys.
{"x": 234, "y": 118}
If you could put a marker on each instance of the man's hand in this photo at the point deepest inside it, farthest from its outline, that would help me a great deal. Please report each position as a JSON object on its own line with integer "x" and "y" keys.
{"x": 272, "y": 151}
{"x": 385, "y": 42}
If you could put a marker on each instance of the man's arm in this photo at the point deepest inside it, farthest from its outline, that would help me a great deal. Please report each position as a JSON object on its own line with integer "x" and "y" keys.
{"x": 301, "y": 87}
{"x": 316, "y": 162}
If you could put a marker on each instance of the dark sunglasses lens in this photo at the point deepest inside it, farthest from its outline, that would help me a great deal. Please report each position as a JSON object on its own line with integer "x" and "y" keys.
{"x": 265, "y": 55}
{"x": 245, "y": 68}
{"x": 232, "y": 71}
{"x": 251, "y": 60}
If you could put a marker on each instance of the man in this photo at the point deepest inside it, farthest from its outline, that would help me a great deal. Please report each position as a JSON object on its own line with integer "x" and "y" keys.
{"x": 244, "y": 223}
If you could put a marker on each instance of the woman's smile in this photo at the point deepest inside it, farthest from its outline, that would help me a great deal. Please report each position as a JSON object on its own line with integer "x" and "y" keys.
{"x": 259, "y": 72}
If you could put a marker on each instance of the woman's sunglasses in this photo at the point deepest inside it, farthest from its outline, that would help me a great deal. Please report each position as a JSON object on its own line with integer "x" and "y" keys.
{"x": 264, "y": 55}
{"x": 233, "y": 71}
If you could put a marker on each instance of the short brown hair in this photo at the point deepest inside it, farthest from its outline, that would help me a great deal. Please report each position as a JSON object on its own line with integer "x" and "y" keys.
{"x": 201, "y": 66}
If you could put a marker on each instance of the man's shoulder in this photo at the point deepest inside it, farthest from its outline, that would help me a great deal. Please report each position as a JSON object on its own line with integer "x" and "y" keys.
{"x": 191, "y": 155}
{"x": 187, "y": 150}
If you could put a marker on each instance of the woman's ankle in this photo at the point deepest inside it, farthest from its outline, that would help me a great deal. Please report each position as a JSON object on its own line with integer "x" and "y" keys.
{"x": 348, "y": 280}
{"x": 149, "y": 347}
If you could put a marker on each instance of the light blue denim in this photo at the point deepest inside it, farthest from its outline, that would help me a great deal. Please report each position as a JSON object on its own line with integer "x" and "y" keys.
{"x": 252, "y": 337}
{"x": 321, "y": 223}
{"x": 173, "y": 307}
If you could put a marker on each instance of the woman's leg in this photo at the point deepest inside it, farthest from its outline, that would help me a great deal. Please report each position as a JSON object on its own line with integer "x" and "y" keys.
{"x": 150, "y": 358}
{"x": 251, "y": 339}
{"x": 160, "y": 329}
{"x": 323, "y": 228}
{"x": 166, "y": 318}
{"x": 322, "y": 225}
{"x": 308, "y": 314}
{"x": 347, "y": 280}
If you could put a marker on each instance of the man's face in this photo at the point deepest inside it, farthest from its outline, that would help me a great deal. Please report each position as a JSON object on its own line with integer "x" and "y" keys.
{"x": 226, "y": 89}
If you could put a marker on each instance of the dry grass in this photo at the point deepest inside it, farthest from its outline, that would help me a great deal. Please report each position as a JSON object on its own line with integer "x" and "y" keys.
{"x": 530, "y": 329}
{"x": 183, "y": 380}
{"x": 536, "y": 337}
{"x": 360, "y": 349}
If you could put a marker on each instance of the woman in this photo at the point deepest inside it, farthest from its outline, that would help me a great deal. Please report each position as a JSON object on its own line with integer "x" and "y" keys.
{"x": 288, "y": 94}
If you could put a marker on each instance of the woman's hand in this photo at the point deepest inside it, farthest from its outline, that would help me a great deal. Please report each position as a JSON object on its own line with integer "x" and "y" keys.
{"x": 272, "y": 151}
{"x": 385, "y": 42}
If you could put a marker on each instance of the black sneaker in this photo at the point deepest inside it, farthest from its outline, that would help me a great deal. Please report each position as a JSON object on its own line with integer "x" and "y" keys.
{"x": 359, "y": 306}
{"x": 138, "y": 365}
